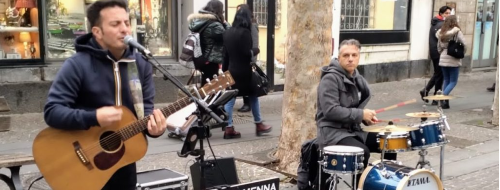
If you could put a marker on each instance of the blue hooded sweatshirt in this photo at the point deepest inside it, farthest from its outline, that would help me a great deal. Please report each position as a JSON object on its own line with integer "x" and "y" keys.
{"x": 91, "y": 79}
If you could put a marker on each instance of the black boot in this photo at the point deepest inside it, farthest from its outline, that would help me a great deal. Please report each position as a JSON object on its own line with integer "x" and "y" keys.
{"x": 445, "y": 104}
{"x": 434, "y": 103}
{"x": 424, "y": 93}
{"x": 245, "y": 108}
{"x": 492, "y": 88}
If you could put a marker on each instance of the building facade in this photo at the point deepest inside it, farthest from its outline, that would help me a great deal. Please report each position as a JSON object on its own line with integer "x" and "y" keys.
{"x": 36, "y": 36}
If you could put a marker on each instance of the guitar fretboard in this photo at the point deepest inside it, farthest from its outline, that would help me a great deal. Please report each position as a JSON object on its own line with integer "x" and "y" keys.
{"x": 142, "y": 124}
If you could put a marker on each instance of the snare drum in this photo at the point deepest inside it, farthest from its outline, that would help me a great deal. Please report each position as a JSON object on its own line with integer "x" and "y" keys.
{"x": 343, "y": 159}
{"x": 398, "y": 177}
{"x": 396, "y": 141}
{"x": 430, "y": 134}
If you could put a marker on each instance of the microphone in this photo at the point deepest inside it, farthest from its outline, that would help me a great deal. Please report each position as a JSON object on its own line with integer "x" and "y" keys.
{"x": 129, "y": 40}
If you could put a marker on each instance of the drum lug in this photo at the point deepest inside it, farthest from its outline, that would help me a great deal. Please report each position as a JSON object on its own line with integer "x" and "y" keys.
{"x": 385, "y": 173}
{"x": 408, "y": 143}
{"x": 400, "y": 163}
{"x": 423, "y": 141}
{"x": 361, "y": 166}
{"x": 344, "y": 166}
{"x": 440, "y": 137}
{"x": 345, "y": 160}
{"x": 378, "y": 140}
{"x": 421, "y": 130}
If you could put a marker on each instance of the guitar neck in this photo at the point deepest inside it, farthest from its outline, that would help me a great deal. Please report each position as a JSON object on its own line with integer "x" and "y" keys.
{"x": 142, "y": 124}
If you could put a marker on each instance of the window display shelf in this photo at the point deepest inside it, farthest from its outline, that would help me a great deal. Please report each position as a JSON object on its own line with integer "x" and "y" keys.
{"x": 18, "y": 29}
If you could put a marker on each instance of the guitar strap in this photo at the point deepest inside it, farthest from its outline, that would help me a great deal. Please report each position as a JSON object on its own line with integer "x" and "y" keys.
{"x": 136, "y": 89}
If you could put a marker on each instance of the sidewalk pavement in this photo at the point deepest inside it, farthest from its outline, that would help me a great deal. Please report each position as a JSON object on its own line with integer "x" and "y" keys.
{"x": 471, "y": 158}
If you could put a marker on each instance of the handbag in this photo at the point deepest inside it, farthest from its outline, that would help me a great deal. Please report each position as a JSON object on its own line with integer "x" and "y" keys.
{"x": 259, "y": 81}
{"x": 456, "y": 48}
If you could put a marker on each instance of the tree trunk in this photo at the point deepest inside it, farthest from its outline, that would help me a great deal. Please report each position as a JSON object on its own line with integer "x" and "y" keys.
{"x": 309, "y": 48}
{"x": 494, "y": 120}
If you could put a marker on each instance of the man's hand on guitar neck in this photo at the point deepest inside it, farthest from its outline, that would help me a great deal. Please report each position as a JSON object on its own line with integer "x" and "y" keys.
{"x": 157, "y": 123}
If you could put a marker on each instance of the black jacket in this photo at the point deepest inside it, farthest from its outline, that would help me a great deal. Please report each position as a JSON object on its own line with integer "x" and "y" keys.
{"x": 436, "y": 24}
{"x": 238, "y": 56}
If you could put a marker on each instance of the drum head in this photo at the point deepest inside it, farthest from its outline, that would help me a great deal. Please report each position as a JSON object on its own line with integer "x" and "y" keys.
{"x": 343, "y": 149}
{"x": 420, "y": 179}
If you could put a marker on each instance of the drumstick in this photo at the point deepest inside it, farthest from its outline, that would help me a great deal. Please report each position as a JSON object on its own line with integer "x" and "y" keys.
{"x": 396, "y": 105}
{"x": 394, "y": 120}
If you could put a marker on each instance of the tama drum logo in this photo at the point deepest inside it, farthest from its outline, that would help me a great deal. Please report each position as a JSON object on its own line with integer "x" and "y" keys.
{"x": 418, "y": 181}
{"x": 334, "y": 162}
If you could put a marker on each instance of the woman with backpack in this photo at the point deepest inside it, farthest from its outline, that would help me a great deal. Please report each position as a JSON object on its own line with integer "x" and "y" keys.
{"x": 449, "y": 64}
{"x": 211, "y": 20}
{"x": 239, "y": 51}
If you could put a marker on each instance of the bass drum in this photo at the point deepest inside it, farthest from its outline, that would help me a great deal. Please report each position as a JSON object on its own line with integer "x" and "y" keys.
{"x": 397, "y": 177}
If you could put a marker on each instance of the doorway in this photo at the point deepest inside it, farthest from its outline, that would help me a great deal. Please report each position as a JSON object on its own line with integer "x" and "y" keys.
{"x": 486, "y": 34}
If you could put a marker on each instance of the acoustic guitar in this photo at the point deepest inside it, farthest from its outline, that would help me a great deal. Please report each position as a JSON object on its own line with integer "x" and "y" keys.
{"x": 86, "y": 159}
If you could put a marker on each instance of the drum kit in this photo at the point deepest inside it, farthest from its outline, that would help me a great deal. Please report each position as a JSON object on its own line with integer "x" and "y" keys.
{"x": 388, "y": 174}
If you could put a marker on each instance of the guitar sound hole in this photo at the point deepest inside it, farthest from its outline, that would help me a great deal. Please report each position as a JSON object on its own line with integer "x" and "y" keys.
{"x": 110, "y": 141}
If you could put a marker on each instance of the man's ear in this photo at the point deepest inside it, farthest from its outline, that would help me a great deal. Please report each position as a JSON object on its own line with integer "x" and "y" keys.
{"x": 97, "y": 32}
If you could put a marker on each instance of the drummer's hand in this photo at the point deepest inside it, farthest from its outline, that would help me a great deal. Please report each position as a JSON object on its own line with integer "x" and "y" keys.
{"x": 368, "y": 114}
{"x": 373, "y": 121}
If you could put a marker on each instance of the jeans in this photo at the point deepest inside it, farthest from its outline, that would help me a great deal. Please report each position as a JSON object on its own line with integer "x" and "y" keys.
{"x": 450, "y": 75}
{"x": 254, "y": 104}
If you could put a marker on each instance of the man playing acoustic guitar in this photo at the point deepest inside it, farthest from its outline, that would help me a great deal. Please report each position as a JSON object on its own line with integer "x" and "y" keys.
{"x": 102, "y": 74}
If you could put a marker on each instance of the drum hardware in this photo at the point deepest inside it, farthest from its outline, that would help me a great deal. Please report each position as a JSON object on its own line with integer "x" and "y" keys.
{"x": 422, "y": 162}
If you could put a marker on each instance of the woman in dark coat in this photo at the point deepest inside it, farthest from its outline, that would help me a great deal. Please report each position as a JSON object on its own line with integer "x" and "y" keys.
{"x": 238, "y": 55}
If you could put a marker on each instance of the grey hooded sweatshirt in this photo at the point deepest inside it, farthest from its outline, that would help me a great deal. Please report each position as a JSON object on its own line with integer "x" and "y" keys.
{"x": 341, "y": 100}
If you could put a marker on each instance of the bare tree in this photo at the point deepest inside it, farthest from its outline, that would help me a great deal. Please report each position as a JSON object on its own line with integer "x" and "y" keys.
{"x": 309, "y": 48}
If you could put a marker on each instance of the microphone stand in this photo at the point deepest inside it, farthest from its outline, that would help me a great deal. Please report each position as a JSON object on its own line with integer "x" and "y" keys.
{"x": 202, "y": 108}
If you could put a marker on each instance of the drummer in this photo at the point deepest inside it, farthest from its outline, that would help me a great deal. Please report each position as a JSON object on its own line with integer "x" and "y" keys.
{"x": 342, "y": 96}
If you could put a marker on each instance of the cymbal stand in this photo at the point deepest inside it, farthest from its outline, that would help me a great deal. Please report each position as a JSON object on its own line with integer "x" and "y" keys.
{"x": 441, "y": 153}
{"x": 384, "y": 171}
{"x": 422, "y": 162}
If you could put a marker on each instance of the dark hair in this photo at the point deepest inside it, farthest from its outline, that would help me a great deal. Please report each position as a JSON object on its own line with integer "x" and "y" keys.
{"x": 443, "y": 9}
{"x": 245, "y": 6}
{"x": 94, "y": 10}
{"x": 242, "y": 18}
{"x": 353, "y": 42}
{"x": 449, "y": 23}
{"x": 216, "y": 7}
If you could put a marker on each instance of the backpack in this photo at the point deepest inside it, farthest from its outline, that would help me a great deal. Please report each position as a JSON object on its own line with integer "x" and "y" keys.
{"x": 307, "y": 172}
{"x": 192, "y": 54}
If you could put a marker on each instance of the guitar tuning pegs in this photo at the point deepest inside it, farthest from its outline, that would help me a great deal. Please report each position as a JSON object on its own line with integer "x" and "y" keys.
{"x": 208, "y": 81}
{"x": 216, "y": 78}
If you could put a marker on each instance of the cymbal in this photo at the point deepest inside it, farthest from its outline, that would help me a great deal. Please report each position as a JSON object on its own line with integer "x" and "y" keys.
{"x": 389, "y": 129}
{"x": 423, "y": 114}
{"x": 439, "y": 97}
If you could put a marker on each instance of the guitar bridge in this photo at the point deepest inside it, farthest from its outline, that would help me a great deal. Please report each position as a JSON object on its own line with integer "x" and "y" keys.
{"x": 81, "y": 155}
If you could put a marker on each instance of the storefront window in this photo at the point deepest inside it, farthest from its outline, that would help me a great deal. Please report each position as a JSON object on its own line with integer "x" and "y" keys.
{"x": 66, "y": 20}
{"x": 374, "y": 15}
{"x": 19, "y": 32}
{"x": 157, "y": 17}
